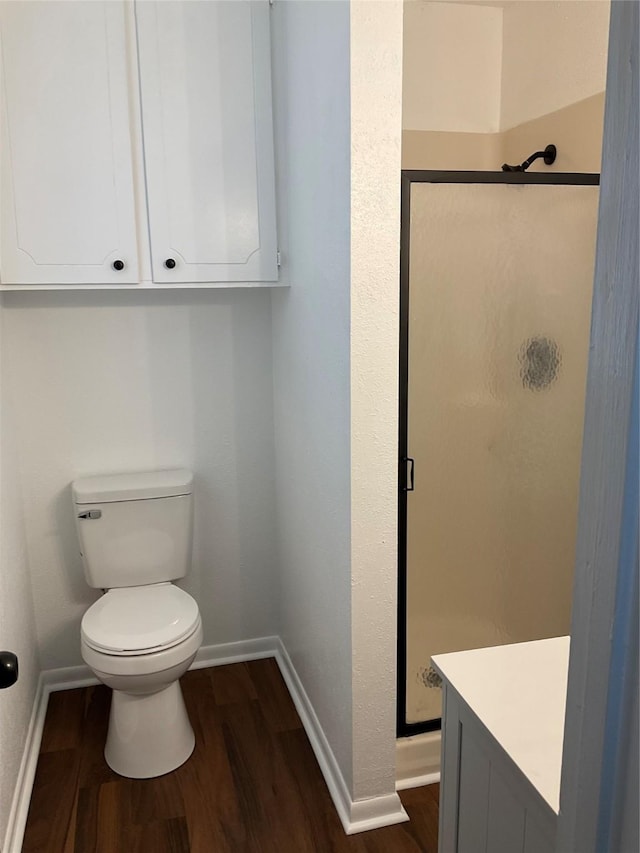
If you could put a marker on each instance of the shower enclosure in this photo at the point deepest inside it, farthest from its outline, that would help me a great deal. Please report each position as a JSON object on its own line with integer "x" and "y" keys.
{"x": 496, "y": 281}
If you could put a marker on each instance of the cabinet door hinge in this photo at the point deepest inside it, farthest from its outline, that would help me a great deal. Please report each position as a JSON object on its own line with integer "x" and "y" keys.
{"x": 278, "y": 259}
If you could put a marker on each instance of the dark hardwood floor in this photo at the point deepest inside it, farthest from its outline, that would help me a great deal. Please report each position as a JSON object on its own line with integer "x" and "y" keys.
{"x": 252, "y": 784}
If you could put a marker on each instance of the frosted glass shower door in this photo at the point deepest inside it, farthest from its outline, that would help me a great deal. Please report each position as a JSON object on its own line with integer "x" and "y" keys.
{"x": 500, "y": 282}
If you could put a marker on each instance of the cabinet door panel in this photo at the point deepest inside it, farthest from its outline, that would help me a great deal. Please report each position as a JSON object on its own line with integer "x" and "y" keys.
{"x": 473, "y": 794}
{"x": 208, "y": 139}
{"x": 67, "y": 189}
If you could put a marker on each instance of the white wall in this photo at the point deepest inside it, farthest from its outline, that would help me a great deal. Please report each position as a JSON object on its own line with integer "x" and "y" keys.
{"x": 335, "y": 370}
{"x": 311, "y": 355}
{"x": 17, "y": 627}
{"x": 103, "y": 382}
{"x": 471, "y": 67}
{"x": 554, "y": 54}
{"x": 376, "y": 128}
{"x": 452, "y": 67}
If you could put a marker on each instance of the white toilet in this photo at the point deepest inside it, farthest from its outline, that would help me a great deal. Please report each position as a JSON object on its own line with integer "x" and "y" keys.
{"x": 141, "y": 636}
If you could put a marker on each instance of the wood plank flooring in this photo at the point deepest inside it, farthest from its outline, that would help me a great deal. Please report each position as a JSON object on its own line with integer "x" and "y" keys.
{"x": 252, "y": 784}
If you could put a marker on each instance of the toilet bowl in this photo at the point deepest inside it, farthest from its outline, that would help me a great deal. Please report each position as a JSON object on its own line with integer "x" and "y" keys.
{"x": 139, "y": 641}
{"x": 144, "y": 632}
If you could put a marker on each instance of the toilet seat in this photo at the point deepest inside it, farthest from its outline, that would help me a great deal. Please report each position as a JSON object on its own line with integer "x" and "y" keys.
{"x": 140, "y": 620}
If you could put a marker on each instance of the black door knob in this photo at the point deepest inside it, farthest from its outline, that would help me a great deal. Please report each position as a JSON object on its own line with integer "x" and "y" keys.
{"x": 170, "y": 263}
{"x": 118, "y": 265}
{"x": 8, "y": 669}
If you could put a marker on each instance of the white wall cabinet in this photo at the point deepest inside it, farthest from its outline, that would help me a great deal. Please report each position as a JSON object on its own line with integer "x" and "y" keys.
{"x": 208, "y": 139}
{"x": 67, "y": 201}
{"x": 90, "y": 186}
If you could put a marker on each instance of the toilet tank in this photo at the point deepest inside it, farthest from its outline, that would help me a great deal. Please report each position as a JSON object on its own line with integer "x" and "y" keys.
{"x": 134, "y": 529}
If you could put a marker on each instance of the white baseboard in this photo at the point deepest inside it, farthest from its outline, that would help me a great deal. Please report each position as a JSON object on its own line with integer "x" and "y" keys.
{"x": 418, "y": 760}
{"x": 376, "y": 813}
{"x": 26, "y": 774}
{"x": 355, "y": 815}
{"x": 70, "y": 677}
{"x": 224, "y": 653}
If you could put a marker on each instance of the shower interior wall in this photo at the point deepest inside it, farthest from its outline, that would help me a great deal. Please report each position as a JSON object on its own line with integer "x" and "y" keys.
{"x": 542, "y": 79}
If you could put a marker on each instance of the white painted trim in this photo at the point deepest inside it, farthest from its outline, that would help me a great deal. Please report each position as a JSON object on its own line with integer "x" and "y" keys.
{"x": 71, "y": 677}
{"x": 601, "y": 662}
{"x": 418, "y": 760}
{"x": 375, "y": 813}
{"x": 319, "y": 743}
{"x": 26, "y": 774}
{"x": 141, "y": 286}
{"x": 68, "y": 678}
{"x": 418, "y": 781}
{"x": 243, "y": 650}
{"x": 356, "y": 815}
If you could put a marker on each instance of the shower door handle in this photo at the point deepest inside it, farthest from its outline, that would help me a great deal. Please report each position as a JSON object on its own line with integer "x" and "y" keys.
{"x": 409, "y": 483}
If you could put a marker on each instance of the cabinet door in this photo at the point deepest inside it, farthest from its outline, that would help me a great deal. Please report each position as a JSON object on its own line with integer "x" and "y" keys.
{"x": 487, "y": 805}
{"x": 67, "y": 210}
{"x": 208, "y": 139}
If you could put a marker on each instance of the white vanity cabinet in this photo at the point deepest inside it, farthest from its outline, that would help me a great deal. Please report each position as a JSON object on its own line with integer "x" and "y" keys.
{"x": 137, "y": 143}
{"x": 503, "y": 728}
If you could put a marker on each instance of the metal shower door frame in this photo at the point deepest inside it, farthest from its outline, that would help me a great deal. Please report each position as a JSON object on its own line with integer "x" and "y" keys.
{"x": 409, "y": 177}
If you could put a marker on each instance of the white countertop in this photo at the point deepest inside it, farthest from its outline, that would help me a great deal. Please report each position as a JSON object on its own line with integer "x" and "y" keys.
{"x": 519, "y": 694}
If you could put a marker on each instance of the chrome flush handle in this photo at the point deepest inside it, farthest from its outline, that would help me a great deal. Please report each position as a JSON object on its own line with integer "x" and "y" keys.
{"x": 91, "y": 513}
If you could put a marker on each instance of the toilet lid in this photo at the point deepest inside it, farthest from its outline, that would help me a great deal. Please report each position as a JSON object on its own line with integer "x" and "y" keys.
{"x": 139, "y": 619}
